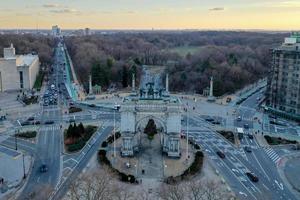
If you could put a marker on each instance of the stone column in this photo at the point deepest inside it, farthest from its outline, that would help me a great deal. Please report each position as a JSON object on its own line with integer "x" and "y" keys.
{"x": 167, "y": 83}
{"x": 90, "y": 85}
{"x": 133, "y": 83}
{"x": 211, "y": 87}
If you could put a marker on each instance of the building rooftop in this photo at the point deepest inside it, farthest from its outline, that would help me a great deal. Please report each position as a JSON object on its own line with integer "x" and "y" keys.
{"x": 26, "y": 60}
{"x": 291, "y": 43}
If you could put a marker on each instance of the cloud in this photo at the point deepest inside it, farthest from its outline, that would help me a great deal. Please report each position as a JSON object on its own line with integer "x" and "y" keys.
{"x": 217, "y": 9}
{"x": 66, "y": 11}
{"x": 51, "y": 5}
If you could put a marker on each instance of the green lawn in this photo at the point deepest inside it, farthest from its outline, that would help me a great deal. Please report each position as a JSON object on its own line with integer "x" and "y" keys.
{"x": 184, "y": 50}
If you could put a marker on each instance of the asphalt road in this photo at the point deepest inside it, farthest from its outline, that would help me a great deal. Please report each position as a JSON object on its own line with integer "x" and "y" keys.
{"x": 238, "y": 162}
{"x": 88, "y": 152}
{"x": 48, "y": 147}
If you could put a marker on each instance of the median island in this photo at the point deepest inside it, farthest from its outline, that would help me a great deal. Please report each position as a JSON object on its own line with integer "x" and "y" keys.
{"x": 76, "y": 136}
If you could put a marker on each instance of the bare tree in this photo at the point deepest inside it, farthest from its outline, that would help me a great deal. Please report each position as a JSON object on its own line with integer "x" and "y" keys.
{"x": 93, "y": 186}
{"x": 172, "y": 192}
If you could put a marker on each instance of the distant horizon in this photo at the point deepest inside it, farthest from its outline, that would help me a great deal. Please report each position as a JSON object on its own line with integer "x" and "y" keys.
{"x": 145, "y": 14}
{"x": 152, "y": 29}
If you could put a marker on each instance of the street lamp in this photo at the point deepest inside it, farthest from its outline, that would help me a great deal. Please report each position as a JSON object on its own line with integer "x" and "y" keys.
{"x": 16, "y": 141}
{"x": 115, "y": 133}
{"x": 187, "y": 134}
{"x": 24, "y": 174}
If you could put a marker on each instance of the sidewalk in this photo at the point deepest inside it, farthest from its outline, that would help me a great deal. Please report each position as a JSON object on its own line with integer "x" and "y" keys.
{"x": 11, "y": 170}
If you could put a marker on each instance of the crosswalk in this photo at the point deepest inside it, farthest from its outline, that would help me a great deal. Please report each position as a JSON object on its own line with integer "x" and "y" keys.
{"x": 272, "y": 155}
{"x": 50, "y": 128}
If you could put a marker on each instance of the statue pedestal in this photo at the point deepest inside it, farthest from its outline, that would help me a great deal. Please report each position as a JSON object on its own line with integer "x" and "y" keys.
{"x": 211, "y": 99}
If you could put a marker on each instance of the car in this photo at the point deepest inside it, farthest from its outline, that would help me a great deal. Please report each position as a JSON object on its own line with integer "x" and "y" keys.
{"x": 216, "y": 122}
{"x": 252, "y": 177}
{"x": 30, "y": 119}
{"x": 296, "y": 147}
{"x": 248, "y": 149}
{"x": 250, "y": 136}
{"x": 246, "y": 126}
{"x": 239, "y": 118}
{"x": 209, "y": 119}
{"x": 43, "y": 168}
{"x": 37, "y": 122}
{"x": 49, "y": 122}
{"x": 92, "y": 105}
{"x": 117, "y": 107}
{"x": 72, "y": 121}
{"x": 25, "y": 123}
{"x": 221, "y": 154}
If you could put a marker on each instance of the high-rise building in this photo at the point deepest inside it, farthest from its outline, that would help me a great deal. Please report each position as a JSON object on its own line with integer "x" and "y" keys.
{"x": 56, "y": 32}
{"x": 283, "y": 92}
{"x": 87, "y": 31}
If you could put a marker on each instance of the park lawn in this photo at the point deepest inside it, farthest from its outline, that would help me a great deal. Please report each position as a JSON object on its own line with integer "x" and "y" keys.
{"x": 184, "y": 50}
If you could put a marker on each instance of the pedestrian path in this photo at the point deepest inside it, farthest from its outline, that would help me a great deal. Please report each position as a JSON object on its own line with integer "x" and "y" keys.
{"x": 272, "y": 154}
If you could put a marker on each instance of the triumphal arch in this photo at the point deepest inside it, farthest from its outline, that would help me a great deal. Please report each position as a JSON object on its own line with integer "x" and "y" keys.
{"x": 151, "y": 101}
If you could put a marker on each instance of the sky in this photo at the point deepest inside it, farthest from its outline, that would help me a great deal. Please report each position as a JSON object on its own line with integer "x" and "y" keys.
{"x": 151, "y": 14}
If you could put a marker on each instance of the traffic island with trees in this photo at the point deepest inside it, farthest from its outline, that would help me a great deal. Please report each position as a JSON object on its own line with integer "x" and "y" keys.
{"x": 76, "y": 136}
{"x": 73, "y": 109}
{"x": 228, "y": 135}
{"x": 278, "y": 140}
{"x": 27, "y": 134}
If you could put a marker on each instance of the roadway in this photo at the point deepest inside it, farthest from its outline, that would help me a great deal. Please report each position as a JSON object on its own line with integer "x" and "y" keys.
{"x": 238, "y": 162}
{"x": 48, "y": 146}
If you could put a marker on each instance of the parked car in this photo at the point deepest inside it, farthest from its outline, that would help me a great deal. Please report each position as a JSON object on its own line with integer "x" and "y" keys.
{"x": 246, "y": 126}
{"x": 239, "y": 118}
{"x": 252, "y": 177}
{"x": 250, "y": 136}
{"x": 221, "y": 154}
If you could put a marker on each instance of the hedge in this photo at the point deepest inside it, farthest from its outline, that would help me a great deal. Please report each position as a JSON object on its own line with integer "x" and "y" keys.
{"x": 27, "y": 134}
{"x": 74, "y": 109}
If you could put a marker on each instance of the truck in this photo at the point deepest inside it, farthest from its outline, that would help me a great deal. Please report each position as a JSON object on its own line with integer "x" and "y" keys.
{"x": 240, "y": 133}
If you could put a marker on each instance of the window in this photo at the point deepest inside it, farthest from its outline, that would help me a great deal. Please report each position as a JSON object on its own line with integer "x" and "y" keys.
{"x": 21, "y": 80}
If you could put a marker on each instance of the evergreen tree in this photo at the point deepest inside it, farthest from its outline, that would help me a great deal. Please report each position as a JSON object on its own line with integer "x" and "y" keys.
{"x": 124, "y": 77}
{"x": 69, "y": 131}
{"x": 81, "y": 128}
{"x": 150, "y": 129}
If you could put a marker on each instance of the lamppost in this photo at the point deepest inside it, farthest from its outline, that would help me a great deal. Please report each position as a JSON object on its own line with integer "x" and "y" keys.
{"x": 187, "y": 134}
{"x": 16, "y": 141}
{"x": 114, "y": 132}
{"x": 24, "y": 174}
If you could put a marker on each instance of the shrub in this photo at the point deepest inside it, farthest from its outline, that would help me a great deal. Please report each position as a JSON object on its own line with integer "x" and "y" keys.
{"x": 27, "y": 134}
{"x": 104, "y": 144}
{"x": 74, "y": 109}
